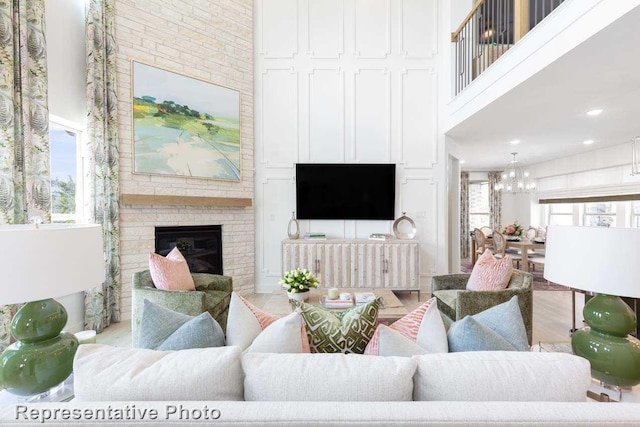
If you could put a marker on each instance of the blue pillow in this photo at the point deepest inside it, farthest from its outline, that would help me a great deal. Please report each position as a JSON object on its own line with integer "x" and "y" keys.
{"x": 498, "y": 328}
{"x": 164, "y": 329}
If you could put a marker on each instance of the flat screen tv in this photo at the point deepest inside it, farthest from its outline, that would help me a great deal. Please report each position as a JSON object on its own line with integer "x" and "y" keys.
{"x": 345, "y": 191}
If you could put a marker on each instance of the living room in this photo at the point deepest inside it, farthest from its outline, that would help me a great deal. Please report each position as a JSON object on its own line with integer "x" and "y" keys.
{"x": 341, "y": 82}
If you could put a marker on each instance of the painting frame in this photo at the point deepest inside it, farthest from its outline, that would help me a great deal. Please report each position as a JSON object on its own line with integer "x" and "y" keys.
{"x": 231, "y": 129}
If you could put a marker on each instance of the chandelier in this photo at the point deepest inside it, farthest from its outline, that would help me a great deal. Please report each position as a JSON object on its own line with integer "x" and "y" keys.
{"x": 515, "y": 179}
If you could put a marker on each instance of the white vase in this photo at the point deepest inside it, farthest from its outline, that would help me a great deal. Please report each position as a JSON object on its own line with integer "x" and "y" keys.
{"x": 299, "y": 296}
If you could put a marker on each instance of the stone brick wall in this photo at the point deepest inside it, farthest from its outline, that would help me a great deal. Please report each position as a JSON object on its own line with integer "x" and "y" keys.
{"x": 210, "y": 40}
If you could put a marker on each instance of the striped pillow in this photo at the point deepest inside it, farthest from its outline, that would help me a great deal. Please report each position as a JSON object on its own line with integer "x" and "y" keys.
{"x": 421, "y": 331}
{"x": 490, "y": 273}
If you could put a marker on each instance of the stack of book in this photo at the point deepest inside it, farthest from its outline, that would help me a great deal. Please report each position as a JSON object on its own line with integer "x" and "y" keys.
{"x": 364, "y": 297}
{"x": 380, "y": 236}
{"x": 337, "y": 303}
{"x": 315, "y": 236}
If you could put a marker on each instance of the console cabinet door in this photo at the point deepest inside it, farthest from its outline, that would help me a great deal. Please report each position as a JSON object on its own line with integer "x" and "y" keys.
{"x": 401, "y": 266}
{"x": 368, "y": 266}
{"x": 300, "y": 255}
{"x": 335, "y": 265}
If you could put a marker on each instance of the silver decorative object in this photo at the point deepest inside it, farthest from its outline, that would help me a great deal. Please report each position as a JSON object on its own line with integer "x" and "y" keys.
{"x": 293, "y": 234}
{"x": 400, "y": 234}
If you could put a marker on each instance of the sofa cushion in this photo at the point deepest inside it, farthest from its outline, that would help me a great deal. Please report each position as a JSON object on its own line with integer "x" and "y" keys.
{"x": 164, "y": 329}
{"x": 496, "y": 376}
{"x": 341, "y": 331}
{"x": 418, "y": 332}
{"x": 498, "y": 328}
{"x": 327, "y": 377}
{"x": 490, "y": 273}
{"x": 171, "y": 273}
{"x": 105, "y": 373}
{"x": 255, "y": 330}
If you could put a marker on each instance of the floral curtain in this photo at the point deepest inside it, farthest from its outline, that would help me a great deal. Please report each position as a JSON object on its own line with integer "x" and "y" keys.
{"x": 102, "y": 304}
{"x": 464, "y": 215}
{"x": 495, "y": 201}
{"x": 24, "y": 121}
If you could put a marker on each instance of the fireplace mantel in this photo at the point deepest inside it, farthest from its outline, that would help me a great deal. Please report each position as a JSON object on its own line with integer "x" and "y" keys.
{"x": 156, "y": 199}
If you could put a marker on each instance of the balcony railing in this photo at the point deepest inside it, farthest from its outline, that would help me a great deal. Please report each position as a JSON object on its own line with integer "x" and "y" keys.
{"x": 489, "y": 30}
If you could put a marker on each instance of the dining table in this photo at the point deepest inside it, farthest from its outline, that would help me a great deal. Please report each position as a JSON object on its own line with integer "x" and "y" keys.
{"x": 525, "y": 246}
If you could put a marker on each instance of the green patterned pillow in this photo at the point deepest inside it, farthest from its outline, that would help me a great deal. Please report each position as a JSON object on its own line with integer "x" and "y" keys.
{"x": 339, "y": 332}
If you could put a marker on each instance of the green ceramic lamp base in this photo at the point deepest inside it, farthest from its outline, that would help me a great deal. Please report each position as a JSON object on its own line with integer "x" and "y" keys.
{"x": 43, "y": 355}
{"x": 614, "y": 355}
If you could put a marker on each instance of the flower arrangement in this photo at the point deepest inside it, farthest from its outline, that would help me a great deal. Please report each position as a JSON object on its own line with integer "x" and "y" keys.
{"x": 514, "y": 229}
{"x": 298, "y": 280}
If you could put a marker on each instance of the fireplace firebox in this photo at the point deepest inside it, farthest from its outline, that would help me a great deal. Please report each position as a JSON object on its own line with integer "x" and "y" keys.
{"x": 201, "y": 245}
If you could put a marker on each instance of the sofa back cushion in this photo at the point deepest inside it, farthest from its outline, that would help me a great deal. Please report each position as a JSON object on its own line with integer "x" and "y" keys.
{"x": 105, "y": 373}
{"x": 501, "y": 376}
{"x": 327, "y": 377}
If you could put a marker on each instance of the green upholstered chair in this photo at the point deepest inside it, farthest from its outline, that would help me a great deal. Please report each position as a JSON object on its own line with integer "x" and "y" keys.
{"x": 456, "y": 302}
{"x": 212, "y": 294}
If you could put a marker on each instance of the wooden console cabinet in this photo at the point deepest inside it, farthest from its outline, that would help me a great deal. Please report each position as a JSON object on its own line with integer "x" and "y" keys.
{"x": 356, "y": 263}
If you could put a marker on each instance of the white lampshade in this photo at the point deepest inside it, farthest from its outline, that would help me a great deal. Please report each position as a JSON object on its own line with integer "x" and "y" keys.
{"x": 594, "y": 259}
{"x": 48, "y": 262}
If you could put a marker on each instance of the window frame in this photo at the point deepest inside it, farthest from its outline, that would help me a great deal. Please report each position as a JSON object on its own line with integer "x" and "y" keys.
{"x": 79, "y": 131}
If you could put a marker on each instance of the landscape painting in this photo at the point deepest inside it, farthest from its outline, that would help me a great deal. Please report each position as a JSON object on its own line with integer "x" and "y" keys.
{"x": 184, "y": 126}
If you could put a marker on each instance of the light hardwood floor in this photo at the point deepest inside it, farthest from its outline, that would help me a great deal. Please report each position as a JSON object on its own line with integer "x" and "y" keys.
{"x": 551, "y": 316}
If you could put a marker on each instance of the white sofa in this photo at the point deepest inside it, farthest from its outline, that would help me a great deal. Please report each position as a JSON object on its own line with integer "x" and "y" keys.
{"x": 223, "y": 387}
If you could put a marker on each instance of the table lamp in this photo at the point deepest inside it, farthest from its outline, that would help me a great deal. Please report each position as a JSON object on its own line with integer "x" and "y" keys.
{"x": 604, "y": 261}
{"x": 39, "y": 263}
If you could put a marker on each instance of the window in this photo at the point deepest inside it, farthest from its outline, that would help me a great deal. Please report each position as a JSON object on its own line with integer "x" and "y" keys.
{"x": 635, "y": 214}
{"x": 64, "y": 144}
{"x": 561, "y": 214}
{"x": 601, "y": 214}
{"x": 478, "y": 204}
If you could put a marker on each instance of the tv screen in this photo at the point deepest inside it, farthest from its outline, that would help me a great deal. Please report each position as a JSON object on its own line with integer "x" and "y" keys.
{"x": 345, "y": 191}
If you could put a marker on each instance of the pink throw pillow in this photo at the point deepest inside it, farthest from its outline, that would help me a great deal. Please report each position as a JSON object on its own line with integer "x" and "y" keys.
{"x": 490, "y": 273}
{"x": 171, "y": 273}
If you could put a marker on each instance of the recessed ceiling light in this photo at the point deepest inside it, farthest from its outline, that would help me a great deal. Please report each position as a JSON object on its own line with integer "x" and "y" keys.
{"x": 514, "y": 142}
{"x": 595, "y": 112}
{"x": 461, "y": 162}
{"x": 588, "y": 142}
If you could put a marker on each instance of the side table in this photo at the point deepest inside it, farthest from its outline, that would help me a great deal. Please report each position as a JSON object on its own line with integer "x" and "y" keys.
{"x": 597, "y": 391}
{"x": 63, "y": 393}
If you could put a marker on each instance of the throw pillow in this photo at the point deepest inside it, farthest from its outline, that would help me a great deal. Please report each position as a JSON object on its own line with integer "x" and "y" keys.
{"x": 255, "y": 330}
{"x": 421, "y": 331}
{"x": 497, "y": 328}
{"x": 171, "y": 273}
{"x": 164, "y": 329}
{"x": 339, "y": 332}
{"x": 106, "y": 374}
{"x": 490, "y": 273}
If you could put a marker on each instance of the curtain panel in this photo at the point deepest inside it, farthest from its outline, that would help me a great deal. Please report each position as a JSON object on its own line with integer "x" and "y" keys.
{"x": 102, "y": 304}
{"x": 464, "y": 215}
{"x": 24, "y": 122}
{"x": 495, "y": 201}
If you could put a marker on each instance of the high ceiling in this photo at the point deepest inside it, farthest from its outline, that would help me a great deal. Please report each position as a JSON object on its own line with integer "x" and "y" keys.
{"x": 547, "y": 112}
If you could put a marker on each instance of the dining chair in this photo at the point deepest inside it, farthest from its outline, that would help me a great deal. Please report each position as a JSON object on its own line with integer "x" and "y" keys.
{"x": 486, "y": 230}
{"x": 481, "y": 241}
{"x": 531, "y": 233}
{"x": 500, "y": 247}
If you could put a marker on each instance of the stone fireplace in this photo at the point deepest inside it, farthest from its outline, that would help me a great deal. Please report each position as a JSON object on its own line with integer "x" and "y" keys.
{"x": 201, "y": 245}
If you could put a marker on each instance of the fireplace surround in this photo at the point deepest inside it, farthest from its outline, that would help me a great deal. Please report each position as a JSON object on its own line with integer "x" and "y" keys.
{"x": 201, "y": 245}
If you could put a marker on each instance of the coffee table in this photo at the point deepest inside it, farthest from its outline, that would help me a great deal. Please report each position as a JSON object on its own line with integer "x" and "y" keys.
{"x": 392, "y": 308}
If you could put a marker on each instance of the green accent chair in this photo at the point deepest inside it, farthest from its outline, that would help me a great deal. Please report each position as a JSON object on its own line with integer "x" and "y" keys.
{"x": 212, "y": 294}
{"x": 456, "y": 302}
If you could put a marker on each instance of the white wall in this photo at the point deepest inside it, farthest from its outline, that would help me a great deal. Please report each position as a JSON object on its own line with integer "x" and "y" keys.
{"x": 66, "y": 71}
{"x": 348, "y": 81}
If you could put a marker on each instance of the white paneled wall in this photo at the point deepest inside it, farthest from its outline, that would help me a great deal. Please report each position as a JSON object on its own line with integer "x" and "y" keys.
{"x": 345, "y": 81}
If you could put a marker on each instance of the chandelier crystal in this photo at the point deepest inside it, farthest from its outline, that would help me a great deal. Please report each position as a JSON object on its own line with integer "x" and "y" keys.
{"x": 515, "y": 178}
